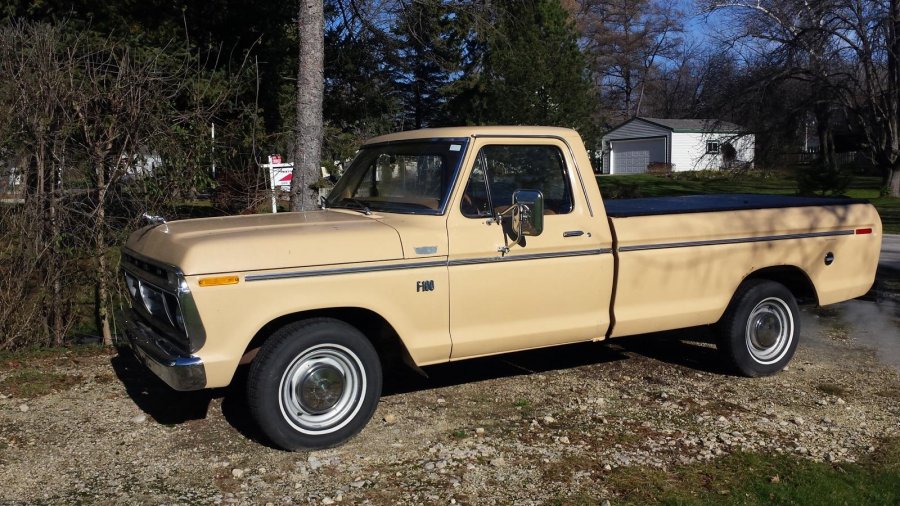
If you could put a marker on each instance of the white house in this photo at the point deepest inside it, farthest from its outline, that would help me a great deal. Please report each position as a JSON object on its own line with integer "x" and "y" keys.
{"x": 679, "y": 144}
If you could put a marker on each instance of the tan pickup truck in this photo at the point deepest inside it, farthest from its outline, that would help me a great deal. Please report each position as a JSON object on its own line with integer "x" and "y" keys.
{"x": 447, "y": 244}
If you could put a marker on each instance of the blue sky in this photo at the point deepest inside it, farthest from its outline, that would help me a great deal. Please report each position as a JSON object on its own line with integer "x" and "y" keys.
{"x": 701, "y": 27}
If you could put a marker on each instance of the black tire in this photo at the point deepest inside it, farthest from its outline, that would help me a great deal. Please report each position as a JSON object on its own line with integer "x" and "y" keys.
{"x": 759, "y": 331}
{"x": 314, "y": 384}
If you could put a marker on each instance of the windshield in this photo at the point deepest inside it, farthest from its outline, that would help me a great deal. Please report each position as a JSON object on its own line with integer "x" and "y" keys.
{"x": 406, "y": 177}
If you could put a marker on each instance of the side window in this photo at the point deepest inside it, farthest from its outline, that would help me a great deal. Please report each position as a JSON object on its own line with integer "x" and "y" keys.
{"x": 501, "y": 170}
{"x": 475, "y": 202}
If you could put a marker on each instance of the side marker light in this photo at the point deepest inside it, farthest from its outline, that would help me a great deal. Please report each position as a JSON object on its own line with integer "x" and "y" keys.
{"x": 219, "y": 281}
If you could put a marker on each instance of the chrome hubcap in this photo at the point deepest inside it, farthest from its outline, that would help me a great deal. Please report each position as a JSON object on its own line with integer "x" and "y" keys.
{"x": 770, "y": 330}
{"x": 766, "y": 330}
{"x": 322, "y": 389}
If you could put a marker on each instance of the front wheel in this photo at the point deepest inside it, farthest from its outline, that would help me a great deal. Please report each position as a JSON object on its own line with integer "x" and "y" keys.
{"x": 758, "y": 333}
{"x": 314, "y": 384}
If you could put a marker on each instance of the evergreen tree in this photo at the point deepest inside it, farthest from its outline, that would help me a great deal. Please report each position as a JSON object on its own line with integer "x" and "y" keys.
{"x": 531, "y": 71}
{"x": 360, "y": 94}
{"x": 428, "y": 53}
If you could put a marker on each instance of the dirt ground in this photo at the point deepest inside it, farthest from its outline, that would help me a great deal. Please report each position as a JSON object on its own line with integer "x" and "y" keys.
{"x": 526, "y": 428}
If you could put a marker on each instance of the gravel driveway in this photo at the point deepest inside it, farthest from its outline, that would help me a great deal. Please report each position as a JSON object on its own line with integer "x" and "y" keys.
{"x": 525, "y": 428}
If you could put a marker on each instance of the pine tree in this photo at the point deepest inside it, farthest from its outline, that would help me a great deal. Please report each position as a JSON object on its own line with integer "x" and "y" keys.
{"x": 531, "y": 72}
{"x": 428, "y": 53}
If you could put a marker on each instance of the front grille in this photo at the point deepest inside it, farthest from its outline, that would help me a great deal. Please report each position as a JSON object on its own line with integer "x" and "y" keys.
{"x": 154, "y": 272}
{"x": 155, "y": 299}
{"x": 158, "y": 303}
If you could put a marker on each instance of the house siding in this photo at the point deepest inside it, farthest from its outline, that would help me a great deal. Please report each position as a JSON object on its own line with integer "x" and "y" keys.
{"x": 689, "y": 150}
{"x": 686, "y": 150}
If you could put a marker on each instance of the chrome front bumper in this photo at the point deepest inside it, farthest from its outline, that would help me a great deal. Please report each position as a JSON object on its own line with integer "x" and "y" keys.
{"x": 181, "y": 372}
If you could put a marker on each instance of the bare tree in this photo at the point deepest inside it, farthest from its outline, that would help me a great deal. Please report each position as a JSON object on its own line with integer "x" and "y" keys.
{"x": 847, "y": 51}
{"x": 83, "y": 114}
{"x": 35, "y": 92}
{"x": 627, "y": 40}
{"x": 869, "y": 89}
{"x": 310, "y": 94}
{"x": 679, "y": 90}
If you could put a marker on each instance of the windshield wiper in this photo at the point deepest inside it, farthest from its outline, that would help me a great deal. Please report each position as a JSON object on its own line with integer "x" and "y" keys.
{"x": 358, "y": 203}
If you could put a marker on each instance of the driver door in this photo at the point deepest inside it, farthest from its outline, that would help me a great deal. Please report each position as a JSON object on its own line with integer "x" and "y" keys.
{"x": 548, "y": 289}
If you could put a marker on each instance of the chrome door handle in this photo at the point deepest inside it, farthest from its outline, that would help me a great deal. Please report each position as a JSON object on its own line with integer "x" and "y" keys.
{"x": 573, "y": 233}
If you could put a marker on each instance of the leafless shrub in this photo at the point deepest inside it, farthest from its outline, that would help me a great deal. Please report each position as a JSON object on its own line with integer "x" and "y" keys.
{"x": 101, "y": 133}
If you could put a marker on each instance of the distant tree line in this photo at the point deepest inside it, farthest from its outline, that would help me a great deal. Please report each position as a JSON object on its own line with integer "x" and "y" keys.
{"x": 94, "y": 94}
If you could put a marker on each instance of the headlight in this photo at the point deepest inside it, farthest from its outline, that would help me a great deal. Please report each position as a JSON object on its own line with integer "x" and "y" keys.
{"x": 173, "y": 311}
{"x": 131, "y": 284}
{"x": 153, "y": 299}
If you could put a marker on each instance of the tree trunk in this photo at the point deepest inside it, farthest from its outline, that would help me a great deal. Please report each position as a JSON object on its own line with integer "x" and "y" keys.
{"x": 310, "y": 92}
{"x": 104, "y": 299}
{"x": 893, "y": 96}
{"x": 822, "y": 112}
{"x": 55, "y": 263}
{"x": 894, "y": 182}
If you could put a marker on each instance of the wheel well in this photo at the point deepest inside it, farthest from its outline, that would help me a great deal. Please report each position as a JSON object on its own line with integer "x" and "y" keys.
{"x": 384, "y": 338}
{"x": 793, "y": 278}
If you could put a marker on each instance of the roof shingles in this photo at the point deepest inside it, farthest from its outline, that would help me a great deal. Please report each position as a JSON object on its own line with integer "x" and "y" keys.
{"x": 695, "y": 125}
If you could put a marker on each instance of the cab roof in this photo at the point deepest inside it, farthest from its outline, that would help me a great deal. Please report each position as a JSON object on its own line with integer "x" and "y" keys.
{"x": 477, "y": 131}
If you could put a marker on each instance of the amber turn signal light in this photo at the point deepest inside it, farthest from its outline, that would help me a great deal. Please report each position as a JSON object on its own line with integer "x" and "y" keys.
{"x": 219, "y": 281}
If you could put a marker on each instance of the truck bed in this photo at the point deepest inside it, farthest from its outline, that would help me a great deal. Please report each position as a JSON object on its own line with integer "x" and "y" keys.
{"x": 624, "y": 208}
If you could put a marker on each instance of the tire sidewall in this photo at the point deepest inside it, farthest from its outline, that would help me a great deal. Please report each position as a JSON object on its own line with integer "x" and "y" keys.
{"x": 276, "y": 356}
{"x": 735, "y": 334}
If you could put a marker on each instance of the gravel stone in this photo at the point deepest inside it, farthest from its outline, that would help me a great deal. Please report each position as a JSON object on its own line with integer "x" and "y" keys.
{"x": 191, "y": 448}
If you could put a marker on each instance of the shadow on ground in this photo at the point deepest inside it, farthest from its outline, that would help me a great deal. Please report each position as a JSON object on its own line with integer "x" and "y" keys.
{"x": 687, "y": 348}
{"x": 154, "y": 397}
{"x": 170, "y": 407}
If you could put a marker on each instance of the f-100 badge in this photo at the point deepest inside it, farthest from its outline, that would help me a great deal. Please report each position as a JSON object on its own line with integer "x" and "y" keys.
{"x": 425, "y": 286}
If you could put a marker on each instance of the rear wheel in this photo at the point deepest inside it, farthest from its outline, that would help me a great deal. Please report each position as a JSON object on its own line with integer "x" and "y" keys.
{"x": 758, "y": 333}
{"x": 314, "y": 384}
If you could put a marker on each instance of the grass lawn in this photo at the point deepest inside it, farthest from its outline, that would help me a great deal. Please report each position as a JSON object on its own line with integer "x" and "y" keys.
{"x": 644, "y": 185}
{"x": 752, "y": 478}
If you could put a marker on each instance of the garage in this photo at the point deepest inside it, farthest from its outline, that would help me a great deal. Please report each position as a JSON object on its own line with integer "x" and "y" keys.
{"x": 633, "y": 156}
{"x": 677, "y": 144}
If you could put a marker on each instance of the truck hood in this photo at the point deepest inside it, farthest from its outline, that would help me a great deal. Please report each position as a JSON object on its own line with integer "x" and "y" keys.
{"x": 267, "y": 241}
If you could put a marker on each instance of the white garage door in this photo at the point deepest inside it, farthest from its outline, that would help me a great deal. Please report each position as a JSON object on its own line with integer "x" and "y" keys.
{"x": 632, "y": 157}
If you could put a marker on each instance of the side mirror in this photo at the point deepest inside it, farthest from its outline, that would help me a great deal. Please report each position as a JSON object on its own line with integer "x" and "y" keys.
{"x": 528, "y": 213}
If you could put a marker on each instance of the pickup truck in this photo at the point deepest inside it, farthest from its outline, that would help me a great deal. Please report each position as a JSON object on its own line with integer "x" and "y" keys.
{"x": 440, "y": 245}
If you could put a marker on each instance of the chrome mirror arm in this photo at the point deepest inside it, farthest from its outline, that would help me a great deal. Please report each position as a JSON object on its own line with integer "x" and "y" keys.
{"x": 519, "y": 210}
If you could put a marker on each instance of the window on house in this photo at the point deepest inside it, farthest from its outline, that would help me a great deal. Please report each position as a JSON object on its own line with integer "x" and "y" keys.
{"x": 712, "y": 147}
